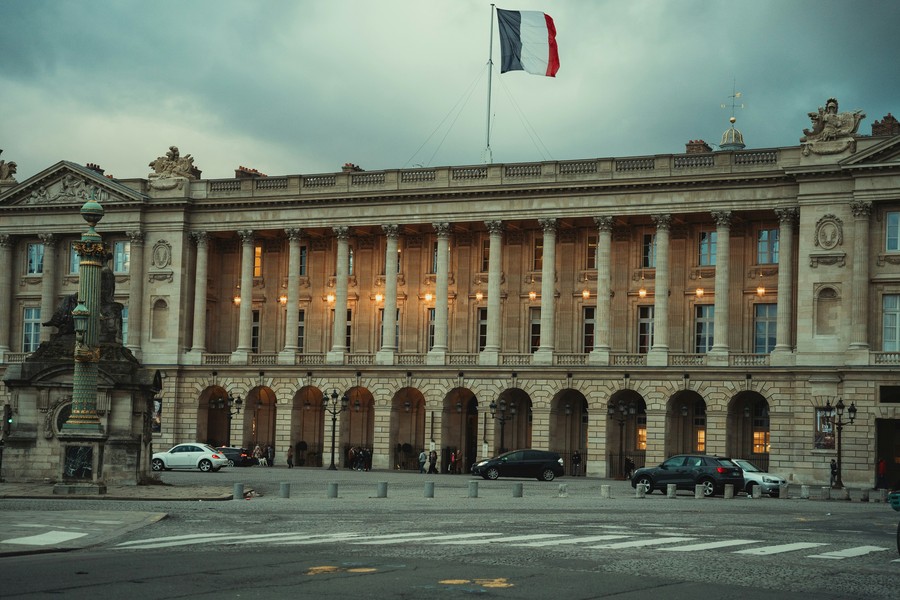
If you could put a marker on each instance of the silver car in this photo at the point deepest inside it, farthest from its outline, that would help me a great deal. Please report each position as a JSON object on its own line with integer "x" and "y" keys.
{"x": 769, "y": 483}
{"x": 189, "y": 456}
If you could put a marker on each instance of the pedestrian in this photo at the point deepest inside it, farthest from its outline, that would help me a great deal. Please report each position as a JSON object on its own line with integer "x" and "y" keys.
{"x": 432, "y": 462}
{"x": 452, "y": 468}
{"x": 257, "y": 454}
{"x": 423, "y": 458}
{"x": 576, "y": 463}
{"x": 270, "y": 455}
{"x": 881, "y": 480}
{"x": 290, "y": 457}
{"x": 834, "y": 472}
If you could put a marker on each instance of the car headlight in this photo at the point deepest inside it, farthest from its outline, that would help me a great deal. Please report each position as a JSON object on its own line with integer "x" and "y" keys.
{"x": 769, "y": 480}
{"x": 481, "y": 464}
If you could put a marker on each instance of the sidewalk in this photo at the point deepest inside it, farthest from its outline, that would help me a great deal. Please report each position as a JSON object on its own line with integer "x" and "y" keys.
{"x": 122, "y": 492}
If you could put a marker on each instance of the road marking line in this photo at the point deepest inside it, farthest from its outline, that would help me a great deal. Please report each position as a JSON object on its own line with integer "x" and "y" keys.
{"x": 642, "y": 543}
{"x": 514, "y": 538}
{"x": 433, "y": 539}
{"x": 849, "y": 552}
{"x": 396, "y": 536}
{"x": 710, "y": 545}
{"x": 575, "y": 540}
{"x": 325, "y": 539}
{"x": 279, "y": 537}
{"x": 765, "y": 550}
{"x": 173, "y": 538}
{"x": 44, "y": 539}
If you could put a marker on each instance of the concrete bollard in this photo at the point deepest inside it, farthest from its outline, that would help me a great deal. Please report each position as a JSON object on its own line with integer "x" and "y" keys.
{"x": 333, "y": 490}
{"x": 285, "y": 490}
{"x": 729, "y": 491}
{"x": 518, "y": 490}
{"x": 784, "y": 491}
{"x": 757, "y": 492}
{"x": 698, "y": 491}
{"x": 804, "y": 492}
{"x": 563, "y": 490}
{"x": 670, "y": 490}
{"x": 429, "y": 489}
{"x": 826, "y": 493}
{"x": 381, "y": 491}
{"x": 640, "y": 490}
{"x": 237, "y": 492}
{"x": 604, "y": 492}
{"x": 473, "y": 489}
{"x": 881, "y": 495}
{"x": 841, "y": 494}
{"x": 864, "y": 496}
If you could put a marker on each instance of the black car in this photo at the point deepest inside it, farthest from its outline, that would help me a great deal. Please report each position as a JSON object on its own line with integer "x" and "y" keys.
{"x": 689, "y": 470}
{"x": 543, "y": 465}
{"x": 237, "y": 457}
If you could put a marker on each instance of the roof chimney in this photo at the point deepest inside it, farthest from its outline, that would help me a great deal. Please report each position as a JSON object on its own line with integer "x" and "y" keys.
{"x": 697, "y": 147}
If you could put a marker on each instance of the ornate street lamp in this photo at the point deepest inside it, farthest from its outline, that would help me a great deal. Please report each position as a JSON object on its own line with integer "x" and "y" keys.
{"x": 502, "y": 418}
{"x": 839, "y": 425}
{"x": 621, "y": 413}
{"x": 334, "y": 408}
{"x": 227, "y": 404}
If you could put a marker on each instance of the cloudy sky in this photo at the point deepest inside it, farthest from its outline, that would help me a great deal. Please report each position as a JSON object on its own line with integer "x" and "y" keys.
{"x": 290, "y": 86}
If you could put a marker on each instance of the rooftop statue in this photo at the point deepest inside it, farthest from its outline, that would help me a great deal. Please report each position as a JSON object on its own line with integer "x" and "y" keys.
{"x": 7, "y": 170}
{"x": 832, "y": 132}
{"x": 173, "y": 164}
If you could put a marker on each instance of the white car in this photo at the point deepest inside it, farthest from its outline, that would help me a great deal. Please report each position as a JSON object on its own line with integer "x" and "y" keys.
{"x": 189, "y": 456}
{"x": 769, "y": 483}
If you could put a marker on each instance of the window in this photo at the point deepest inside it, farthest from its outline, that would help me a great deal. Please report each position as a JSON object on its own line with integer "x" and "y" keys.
{"x": 537, "y": 262}
{"x": 35, "y": 259}
{"x": 349, "y": 325}
{"x": 700, "y": 427}
{"x": 254, "y": 332}
{"x": 257, "y": 261}
{"x": 823, "y": 437}
{"x": 890, "y": 323}
{"x": 648, "y": 251}
{"x": 760, "y": 442}
{"x": 124, "y": 325}
{"x": 303, "y": 258}
{"x": 587, "y": 337}
{"x": 765, "y": 319}
{"x": 430, "y": 316}
{"x": 534, "y": 331}
{"x": 434, "y": 257}
{"x": 591, "y": 259}
{"x": 703, "y": 328}
{"x": 893, "y": 231}
{"x": 301, "y": 329}
{"x": 74, "y": 260}
{"x": 485, "y": 255}
{"x": 381, "y": 328}
{"x": 31, "y": 329}
{"x": 645, "y": 328}
{"x": 767, "y": 247}
{"x": 121, "y": 256}
{"x": 707, "y": 249}
{"x": 482, "y": 328}
{"x": 641, "y": 432}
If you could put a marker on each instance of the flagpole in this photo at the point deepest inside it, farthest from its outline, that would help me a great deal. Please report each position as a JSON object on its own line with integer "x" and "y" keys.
{"x": 488, "y": 158}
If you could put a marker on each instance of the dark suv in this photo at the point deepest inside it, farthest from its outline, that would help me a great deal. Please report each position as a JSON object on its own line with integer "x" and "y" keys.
{"x": 688, "y": 470}
{"x": 541, "y": 464}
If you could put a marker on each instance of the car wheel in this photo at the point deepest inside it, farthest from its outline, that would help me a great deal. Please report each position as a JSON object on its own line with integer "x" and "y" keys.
{"x": 492, "y": 473}
{"x": 749, "y": 488}
{"x": 157, "y": 464}
{"x": 205, "y": 466}
{"x": 548, "y": 475}
{"x": 230, "y": 463}
{"x": 709, "y": 487}
{"x": 645, "y": 480}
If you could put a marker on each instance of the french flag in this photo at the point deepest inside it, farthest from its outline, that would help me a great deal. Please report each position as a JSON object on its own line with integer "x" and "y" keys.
{"x": 527, "y": 42}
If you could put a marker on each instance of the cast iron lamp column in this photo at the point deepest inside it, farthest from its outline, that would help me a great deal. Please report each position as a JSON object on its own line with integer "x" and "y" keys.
{"x": 92, "y": 254}
{"x": 621, "y": 413}
{"x": 502, "y": 418}
{"x": 332, "y": 407}
{"x": 228, "y": 404}
{"x": 839, "y": 425}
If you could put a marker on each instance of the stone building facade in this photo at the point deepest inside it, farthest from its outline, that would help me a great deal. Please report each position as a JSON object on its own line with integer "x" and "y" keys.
{"x": 627, "y": 308}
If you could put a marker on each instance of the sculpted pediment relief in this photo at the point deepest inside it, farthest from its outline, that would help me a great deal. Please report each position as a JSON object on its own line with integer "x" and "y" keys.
{"x": 68, "y": 184}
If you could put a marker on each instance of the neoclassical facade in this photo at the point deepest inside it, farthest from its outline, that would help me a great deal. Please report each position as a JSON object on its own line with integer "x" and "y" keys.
{"x": 626, "y": 308}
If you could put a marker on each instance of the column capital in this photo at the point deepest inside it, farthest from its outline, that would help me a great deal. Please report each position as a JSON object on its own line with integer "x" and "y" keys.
{"x": 5, "y": 240}
{"x": 442, "y": 229}
{"x": 494, "y": 227}
{"x": 861, "y": 209}
{"x": 293, "y": 234}
{"x": 342, "y": 233}
{"x": 136, "y": 237}
{"x": 663, "y": 222}
{"x": 604, "y": 223}
{"x": 200, "y": 237}
{"x": 722, "y": 218}
{"x": 246, "y": 235}
{"x": 788, "y": 214}
{"x": 48, "y": 239}
{"x": 548, "y": 225}
{"x": 391, "y": 231}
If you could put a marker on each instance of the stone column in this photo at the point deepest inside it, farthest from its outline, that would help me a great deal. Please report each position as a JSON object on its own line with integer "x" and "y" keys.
{"x": 600, "y": 353}
{"x": 659, "y": 352}
{"x": 6, "y": 267}
{"x": 48, "y": 283}
{"x": 292, "y": 317}
{"x": 787, "y": 217}
{"x": 718, "y": 354}
{"x": 491, "y": 353}
{"x": 437, "y": 354}
{"x": 544, "y": 353}
{"x": 136, "y": 293}
{"x": 859, "y": 337}
{"x": 198, "y": 343}
{"x": 339, "y": 327}
{"x": 386, "y": 355}
{"x": 245, "y": 327}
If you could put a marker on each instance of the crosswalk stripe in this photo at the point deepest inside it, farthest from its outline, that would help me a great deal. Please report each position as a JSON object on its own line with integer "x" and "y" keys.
{"x": 766, "y": 550}
{"x": 575, "y": 540}
{"x": 515, "y": 538}
{"x": 44, "y": 539}
{"x": 432, "y": 539}
{"x": 849, "y": 552}
{"x": 397, "y": 536}
{"x": 335, "y": 537}
{"x": 642, "y": 543}
{"x": 710, "y": 545}
{"x": 174, "y": 538}
{"x": 278, "y": 537}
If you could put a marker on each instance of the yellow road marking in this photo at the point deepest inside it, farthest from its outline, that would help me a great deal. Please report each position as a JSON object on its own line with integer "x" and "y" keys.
{"x": 497, "y": 582}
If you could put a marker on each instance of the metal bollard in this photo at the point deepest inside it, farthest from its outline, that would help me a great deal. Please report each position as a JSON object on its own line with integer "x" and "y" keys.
{"x": 429, "y": 489}
{"x": 604, "y": 492}
{"x": 382, "y": 489}
{"x": 826, "y": 493}
{"x": 670, "y": 490}
{"x": 563, "y": 490}
{"x": 333, "y": 489}
{"x": 698, "y": 491}
{"x": 804, "y": 492}
{"x": 640, "y": 490}
{"x": 518, "y": 490}
{"x": 784, "y": 491}
{"x": 237, "y": 492}
{"x": 285, "y": 490}
{"x": 729, "y": 491}
{"x": 473, "y": 489}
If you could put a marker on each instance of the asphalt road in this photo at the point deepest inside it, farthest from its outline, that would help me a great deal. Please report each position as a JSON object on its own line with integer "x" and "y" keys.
{"x": 548, "y": 542}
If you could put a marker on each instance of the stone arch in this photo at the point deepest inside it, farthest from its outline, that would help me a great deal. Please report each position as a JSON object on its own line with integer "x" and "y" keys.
{"x": 459, "y": 429}
{"x": 747, "y": 425}
{"x": 260, "y": 411}
{"x": 626, "y": 436}
{"x": 357, "y": 427}
{"x": 512, "y": 418}
{"x": 213, "y": 424}
{"x": 568, "y": 427}
{"x": 685, "y": 423}
{"x": 308, "y": 427}
{"x": 407, "y": 428}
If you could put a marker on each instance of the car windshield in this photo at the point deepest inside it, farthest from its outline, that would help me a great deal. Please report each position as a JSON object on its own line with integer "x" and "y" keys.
{"x": 210, "y": 448}
{"x": 747, "y": 466}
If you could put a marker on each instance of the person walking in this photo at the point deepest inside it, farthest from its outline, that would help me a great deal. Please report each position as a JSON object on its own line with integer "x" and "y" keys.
{"x": 290, "y": 457}
{"x": 881, "y": 472}
{"x": 834, "y": 471}
{"x": 452, "y": 468}
{"x": 270, "y": 455}
{"x": 576, "y": 463}
{"x": 432, "y": 462}
{"x": 423, "y": 458}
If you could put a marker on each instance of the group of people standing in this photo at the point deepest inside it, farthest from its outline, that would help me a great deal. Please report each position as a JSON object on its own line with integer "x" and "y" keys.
{"x": 359, "y": 458}
{"x": 431, "y": 459}
{"x": 264, "y": 457}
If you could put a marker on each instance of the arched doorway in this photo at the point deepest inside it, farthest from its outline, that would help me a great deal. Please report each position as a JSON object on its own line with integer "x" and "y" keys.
{"x": 459, "y": 430}
{"x": 748, "y": 428}
{"x": 357, "y": 426}
{"x": 308, "y": 427}
{"x": 626, "y": 435}
{"x": 568, "y": 428}
{"x": 213, "y": 417}
{"x": 511, "y": 413}
{"x": 685, "y": 423}
{"x": 407, "y": 437}
{"x": 259, "y": 418}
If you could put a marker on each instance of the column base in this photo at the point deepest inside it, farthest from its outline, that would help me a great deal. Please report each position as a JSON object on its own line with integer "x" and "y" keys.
{"x": 335, "y": 357}
{"x": 599, "y": 357}
{"x": 240, "y": 357}
{"x": 782, "y": 358}
{"x": 436, "y": 357}
{"x": 717, "y": 357}
{"x": 287, "y": 356}
{"x": 543, "y": 356}
{"x": 857, "y": 355}
{"x": 489, "y": 357}
{"x": 658, "y": 357}
{"x": 385, "y": 357}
